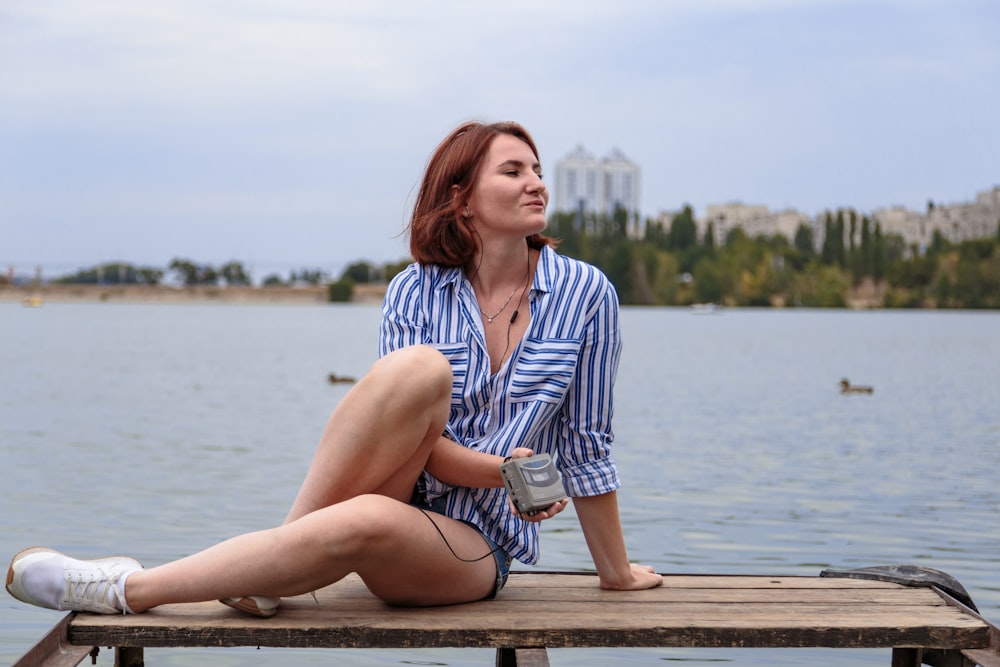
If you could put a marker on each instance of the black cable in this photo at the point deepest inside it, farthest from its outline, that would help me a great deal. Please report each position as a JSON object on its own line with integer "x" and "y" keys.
{"x": 448, "y": 544}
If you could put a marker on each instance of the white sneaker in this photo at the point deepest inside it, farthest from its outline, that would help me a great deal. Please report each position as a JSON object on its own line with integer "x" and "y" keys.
{"x": 255, "y": 605}
{"x": 46, "y": 578}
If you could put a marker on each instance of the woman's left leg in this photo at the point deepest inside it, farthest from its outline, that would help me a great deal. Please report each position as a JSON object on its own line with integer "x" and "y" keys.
{"x": 396, "y": 549}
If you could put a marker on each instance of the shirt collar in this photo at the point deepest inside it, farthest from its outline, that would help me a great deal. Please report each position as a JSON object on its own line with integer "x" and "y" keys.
{"x": 454, "y": 277}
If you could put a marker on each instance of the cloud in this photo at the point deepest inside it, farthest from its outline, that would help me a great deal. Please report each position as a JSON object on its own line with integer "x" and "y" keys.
{"x": 209, "y": 119}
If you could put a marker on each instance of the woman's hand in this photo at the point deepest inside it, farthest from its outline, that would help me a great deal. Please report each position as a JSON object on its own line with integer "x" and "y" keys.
{"x": 548, "y": 512}
{"x": 544, "y": 514}
{"x": 521, "y": 452}
{"x": 641, "y": 577}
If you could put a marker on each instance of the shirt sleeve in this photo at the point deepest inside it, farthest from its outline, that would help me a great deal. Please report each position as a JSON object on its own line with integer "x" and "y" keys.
{"x": 402, "y": 322}
{"x": 588, "y": 467}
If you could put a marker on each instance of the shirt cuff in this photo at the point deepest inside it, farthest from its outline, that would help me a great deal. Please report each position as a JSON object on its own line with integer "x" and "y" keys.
{"x": 592, "y": 478}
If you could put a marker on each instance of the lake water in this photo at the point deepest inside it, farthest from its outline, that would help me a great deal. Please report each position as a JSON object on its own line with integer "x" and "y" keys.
{"x": 157, "y": 430}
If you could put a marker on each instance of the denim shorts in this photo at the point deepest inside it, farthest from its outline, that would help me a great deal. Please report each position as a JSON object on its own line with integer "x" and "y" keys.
{"x": 438, "y": 506}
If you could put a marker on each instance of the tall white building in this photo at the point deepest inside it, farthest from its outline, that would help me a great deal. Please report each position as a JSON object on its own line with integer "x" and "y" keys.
{"x": 596, "y": 186}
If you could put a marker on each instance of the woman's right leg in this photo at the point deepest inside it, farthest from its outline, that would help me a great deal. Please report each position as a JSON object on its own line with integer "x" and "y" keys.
{"x": 379, "y": 436}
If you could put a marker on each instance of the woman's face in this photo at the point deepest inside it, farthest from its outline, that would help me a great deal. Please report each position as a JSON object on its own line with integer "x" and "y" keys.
{"x": 509, "y": 196}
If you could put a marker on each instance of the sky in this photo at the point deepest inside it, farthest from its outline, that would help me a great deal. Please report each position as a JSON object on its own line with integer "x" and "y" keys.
{"x": 292, "y": 134}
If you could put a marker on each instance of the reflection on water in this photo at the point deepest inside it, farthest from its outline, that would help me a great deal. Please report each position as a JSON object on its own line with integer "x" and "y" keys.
{"x": 158, "y": 430}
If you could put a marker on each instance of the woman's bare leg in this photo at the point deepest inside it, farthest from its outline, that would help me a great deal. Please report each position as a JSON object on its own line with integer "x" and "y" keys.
{"x": 379, "y": 437}
{"x": 376, "y": 442}
{"x": 393, "y": 547}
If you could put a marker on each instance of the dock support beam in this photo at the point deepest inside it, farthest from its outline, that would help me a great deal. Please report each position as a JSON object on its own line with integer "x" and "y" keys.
{"x": 129, "y": 656}
{"x": 522, "y": 657}
{"x": 915, "y": 657}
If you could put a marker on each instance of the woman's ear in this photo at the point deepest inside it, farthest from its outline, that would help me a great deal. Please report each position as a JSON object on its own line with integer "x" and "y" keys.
{"x": 454, "y": 195}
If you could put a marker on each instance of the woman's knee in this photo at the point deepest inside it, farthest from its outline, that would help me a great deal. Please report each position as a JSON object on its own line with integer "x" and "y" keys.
{"x": 365, "y": 525}
{"x": 419, "y": 366}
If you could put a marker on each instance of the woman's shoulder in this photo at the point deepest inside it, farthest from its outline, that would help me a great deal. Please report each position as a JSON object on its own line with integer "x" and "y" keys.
{"x": 419, "y": 284}
{"x": 561, "y": 269}
{"x": 416, "y": 273}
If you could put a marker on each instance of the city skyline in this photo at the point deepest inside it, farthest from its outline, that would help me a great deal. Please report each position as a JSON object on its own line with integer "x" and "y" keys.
{"x": 753, "y": 218}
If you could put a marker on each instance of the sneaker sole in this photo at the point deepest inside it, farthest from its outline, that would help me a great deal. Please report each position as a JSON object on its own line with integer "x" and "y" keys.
{"x": 248, "y": 605}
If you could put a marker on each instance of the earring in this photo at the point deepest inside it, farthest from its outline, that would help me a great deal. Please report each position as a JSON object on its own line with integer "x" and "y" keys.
{"x": 468, "y": 213}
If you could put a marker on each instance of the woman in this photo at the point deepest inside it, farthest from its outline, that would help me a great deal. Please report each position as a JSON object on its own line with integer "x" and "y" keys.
{"x": 491, "y": 346}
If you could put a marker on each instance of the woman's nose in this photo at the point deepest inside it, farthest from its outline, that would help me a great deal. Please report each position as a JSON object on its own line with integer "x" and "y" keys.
{"x": 536, "y": 184}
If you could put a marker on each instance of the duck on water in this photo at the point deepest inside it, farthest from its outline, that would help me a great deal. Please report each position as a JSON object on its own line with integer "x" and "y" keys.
{"x": 847, "y": 388}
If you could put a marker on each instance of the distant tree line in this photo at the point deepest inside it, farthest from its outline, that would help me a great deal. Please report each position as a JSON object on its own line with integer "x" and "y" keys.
{"x": 188, "y": 273}
{"x": 669, "y": 265}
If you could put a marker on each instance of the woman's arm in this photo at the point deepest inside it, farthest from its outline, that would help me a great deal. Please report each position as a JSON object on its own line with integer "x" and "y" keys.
{"x": 586, "y": 451}
{"x": 454, "y": 464}
{"x": 602, "y": 529}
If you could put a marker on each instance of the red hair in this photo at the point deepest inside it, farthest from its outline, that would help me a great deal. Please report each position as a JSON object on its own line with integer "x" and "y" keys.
{"x": 439, "y": 232}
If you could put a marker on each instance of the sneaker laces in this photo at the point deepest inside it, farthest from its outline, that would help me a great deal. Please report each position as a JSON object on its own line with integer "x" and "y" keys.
{"x": 96, "y": 588}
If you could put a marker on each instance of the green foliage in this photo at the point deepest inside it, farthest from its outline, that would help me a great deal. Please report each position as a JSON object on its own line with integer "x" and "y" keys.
{"x": 233, "y": 274}
{"x": 114, "y": 273}
{"x": 360, "y": 272}
{"x": 308, "y": 277}
{"x": 391, "y": 270}
{"x": 683, "y": 232}
{"x": 340, "y": 291}
{"x": 805, "y": 247}
{"x": 915, "y": 273}
{"x": 190, "y": 273}
{"x": 820, "y": 286}
{"x": 670, "y": 267}
{"x": 273, "y": 280}
{"x": 711, "y": 284}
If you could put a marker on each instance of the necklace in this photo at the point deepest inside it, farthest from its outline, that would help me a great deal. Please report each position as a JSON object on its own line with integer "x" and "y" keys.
{"x": 489, "y": 318}
{"x": 513, "y": 318}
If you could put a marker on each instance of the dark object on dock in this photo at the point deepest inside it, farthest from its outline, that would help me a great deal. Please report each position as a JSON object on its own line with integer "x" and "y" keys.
{"x": 847, "y": 388}
{"x": 909, "y": 575}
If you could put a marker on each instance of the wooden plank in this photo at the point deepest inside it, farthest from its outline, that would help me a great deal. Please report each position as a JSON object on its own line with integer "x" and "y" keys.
{"x": 544, "y": 616}
{"x": 889, "y": 597}
{"x": 568, "y": 581}
{"x": 989, "y": 656}
{"x": 570, "y": 610}
{"x": 705, "y": 581}
{"x": 54, "y": 649}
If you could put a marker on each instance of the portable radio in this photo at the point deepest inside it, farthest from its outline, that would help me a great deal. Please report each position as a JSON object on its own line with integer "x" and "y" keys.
{"x": 532, "y": 482}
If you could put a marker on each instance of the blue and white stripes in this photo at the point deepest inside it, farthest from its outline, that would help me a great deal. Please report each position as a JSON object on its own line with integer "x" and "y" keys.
{"x": 553, "y": 395}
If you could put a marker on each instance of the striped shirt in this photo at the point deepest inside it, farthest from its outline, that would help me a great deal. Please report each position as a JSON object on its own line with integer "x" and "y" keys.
{"x": 553, "y": 394}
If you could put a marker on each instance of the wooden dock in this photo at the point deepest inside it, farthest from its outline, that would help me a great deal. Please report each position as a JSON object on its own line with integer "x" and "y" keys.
{"x": 539, "y": 611}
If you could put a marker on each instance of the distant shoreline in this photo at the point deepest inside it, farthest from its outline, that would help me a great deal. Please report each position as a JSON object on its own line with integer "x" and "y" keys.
{"x": 862, "y": 297}
{"x": 62, "y": 293}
